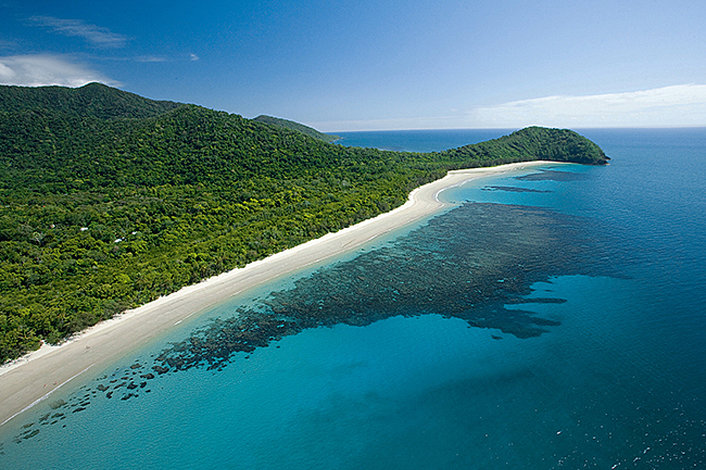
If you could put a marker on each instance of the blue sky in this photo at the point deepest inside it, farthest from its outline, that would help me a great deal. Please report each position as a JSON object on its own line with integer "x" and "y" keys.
{"x": 353, "y": 65}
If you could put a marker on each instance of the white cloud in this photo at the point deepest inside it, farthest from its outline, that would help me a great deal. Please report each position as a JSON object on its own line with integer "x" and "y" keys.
{"x": 46, "y": 69}
{"x": 150, "y": 58}
{"x": 671, "y": 106}
{"x": 95, "y": 35}
{"x": 193, "y": 57}
{"x": 678, "y": 105}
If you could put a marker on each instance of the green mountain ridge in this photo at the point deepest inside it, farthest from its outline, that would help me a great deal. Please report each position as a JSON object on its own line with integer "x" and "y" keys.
{"x": 109, "y": 200}
{"x": 295, "y": 126}
{"x": 93, "y": 100}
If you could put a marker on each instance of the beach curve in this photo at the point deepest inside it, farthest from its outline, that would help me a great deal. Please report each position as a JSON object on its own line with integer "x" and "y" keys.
{"x": 35, "y": 376}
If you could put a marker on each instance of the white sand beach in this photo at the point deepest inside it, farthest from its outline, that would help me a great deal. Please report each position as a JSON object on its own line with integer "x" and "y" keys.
{"x": 34, "y": 377}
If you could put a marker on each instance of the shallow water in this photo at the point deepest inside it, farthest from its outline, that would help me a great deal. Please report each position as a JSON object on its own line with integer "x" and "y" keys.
{"x": 552, "y": 319}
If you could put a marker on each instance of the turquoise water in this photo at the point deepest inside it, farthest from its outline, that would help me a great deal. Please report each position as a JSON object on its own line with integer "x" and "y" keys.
{"x": 554, "y": 318}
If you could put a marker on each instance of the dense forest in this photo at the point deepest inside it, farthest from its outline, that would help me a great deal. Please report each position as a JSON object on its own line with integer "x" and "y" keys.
{"x": 295, "y": 126}
{"x": 109, "y": 200}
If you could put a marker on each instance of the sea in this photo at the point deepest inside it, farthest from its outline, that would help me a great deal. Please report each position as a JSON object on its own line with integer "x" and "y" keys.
{"x": 553, "y": 317}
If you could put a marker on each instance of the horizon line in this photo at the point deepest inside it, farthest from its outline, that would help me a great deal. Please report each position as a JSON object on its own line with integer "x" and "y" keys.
{"x": 701, "y": 126}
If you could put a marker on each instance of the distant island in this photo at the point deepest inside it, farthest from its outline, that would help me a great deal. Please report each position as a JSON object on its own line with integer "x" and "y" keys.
{"x": 295, "y": 126}
{"x": 109, "y": 200}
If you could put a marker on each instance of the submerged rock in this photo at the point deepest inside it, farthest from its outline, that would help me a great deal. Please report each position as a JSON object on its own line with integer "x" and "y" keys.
{"x": 57, "y": 404}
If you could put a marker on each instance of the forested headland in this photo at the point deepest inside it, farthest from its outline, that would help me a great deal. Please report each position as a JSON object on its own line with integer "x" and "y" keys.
{"x": 109, "y": 200}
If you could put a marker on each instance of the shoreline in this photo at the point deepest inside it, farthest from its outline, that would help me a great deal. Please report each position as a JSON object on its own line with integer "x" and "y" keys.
{"x": 32, "y": 378}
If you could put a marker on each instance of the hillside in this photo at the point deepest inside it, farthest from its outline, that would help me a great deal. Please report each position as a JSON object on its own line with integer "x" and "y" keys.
{"x": 109, "y": 200}
{"x": 295, "y": 126}
{"x": 561, "y": 145}
{"x": 94, "y": 100}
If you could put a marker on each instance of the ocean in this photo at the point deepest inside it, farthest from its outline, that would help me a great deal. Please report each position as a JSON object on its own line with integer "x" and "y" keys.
{"x": 550, "y": 318}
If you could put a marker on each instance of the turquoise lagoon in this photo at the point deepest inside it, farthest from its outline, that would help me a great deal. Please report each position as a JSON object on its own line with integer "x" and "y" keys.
{"x": 552, "y": 318}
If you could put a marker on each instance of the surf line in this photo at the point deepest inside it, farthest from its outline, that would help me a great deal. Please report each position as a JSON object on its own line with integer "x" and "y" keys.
{"x": 47, "y": 394}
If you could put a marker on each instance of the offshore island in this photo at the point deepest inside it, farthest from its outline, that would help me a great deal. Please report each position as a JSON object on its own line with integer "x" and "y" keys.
{"x": 112, "y": 202}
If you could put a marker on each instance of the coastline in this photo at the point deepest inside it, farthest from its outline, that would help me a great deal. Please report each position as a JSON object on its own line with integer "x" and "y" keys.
{"x": 34, "y": 377}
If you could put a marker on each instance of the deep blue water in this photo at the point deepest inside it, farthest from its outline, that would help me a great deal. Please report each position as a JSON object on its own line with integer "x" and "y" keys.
{"x": 419, "y": 140}
{"x": 553, "y": 318}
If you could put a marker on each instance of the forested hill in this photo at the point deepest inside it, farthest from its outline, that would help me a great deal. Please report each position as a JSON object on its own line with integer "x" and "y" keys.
{"x": 109, "y": 202}
{"x": 560, "y": 145}
{"x": 94, "y": 100}
{"x": 295, "y": 126}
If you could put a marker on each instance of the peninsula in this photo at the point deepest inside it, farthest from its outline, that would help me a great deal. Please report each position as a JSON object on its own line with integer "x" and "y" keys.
{"x": 109, "y": 201}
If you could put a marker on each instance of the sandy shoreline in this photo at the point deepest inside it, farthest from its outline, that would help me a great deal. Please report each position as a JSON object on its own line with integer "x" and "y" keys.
{"x": 32, "y": 378}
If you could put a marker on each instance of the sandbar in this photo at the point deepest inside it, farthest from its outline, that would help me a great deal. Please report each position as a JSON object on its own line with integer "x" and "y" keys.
{"x": 35, "y": 376}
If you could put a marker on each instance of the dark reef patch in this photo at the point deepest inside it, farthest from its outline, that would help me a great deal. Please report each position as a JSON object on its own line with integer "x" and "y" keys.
{"x": 537, "y": 300}
{"x": 552, "y": 175}
{"x": 467, "y": 263}
{"x": 472, "y": 263}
